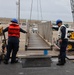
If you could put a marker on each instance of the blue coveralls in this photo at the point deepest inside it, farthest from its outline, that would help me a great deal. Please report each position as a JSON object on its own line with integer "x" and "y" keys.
{"x": 13, "y": 46}
{"x": 63, "y": 45}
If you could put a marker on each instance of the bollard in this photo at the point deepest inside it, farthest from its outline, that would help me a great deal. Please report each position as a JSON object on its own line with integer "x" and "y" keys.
{"x": 45, "y": 52}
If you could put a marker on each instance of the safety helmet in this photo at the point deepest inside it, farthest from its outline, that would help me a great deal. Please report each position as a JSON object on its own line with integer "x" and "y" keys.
{"x": 14, "y": 20}
{"x": 58, "y": 21}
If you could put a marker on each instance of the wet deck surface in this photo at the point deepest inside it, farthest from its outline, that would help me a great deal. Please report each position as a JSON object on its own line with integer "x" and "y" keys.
{"x": 17, "y": 69}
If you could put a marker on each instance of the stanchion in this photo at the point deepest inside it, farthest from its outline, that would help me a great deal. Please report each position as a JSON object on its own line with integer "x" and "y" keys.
{"x": 45, "y": 52}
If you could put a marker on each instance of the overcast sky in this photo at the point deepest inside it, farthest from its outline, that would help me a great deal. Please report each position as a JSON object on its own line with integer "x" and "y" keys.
{"x": 51, "y": 9}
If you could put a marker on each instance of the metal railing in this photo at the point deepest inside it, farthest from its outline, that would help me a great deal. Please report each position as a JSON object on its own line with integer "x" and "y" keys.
{"x": 45, "y": 31}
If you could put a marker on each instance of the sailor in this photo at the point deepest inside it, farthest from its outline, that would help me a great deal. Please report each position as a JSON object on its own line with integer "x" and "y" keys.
{"x": 63, "y": 41}
{"x": 13, "y": 40}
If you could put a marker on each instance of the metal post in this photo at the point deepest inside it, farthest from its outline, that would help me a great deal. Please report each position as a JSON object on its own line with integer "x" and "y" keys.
{"x": 18, "y": 11}
{"x": 72, "y": 8}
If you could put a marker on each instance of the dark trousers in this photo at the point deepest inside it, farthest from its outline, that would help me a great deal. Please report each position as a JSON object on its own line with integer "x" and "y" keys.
{"x": 63, "y": 46}
{"x": 13, "y": 46}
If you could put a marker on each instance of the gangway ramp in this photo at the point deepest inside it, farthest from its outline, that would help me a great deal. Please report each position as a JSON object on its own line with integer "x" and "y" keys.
{"x": 37, "y": 43}
{"x": 40, "y": 39}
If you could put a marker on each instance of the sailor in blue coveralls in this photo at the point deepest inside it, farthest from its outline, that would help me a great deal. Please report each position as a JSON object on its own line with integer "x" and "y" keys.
{"x": 13, "y": 40}
{"x": 62, "y": 39}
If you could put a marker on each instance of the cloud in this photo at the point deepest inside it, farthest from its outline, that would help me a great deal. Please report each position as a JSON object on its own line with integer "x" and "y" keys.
{"x": 51, "y": 9}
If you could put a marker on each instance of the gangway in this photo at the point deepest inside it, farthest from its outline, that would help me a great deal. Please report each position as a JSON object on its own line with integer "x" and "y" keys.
{"x": 40, "y": 39}
{"x": 37, "y": 43}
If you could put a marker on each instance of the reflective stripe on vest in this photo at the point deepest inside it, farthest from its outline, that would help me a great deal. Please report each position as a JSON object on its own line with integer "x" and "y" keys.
{"x": 59, "y": 32}
{"x": 14, "y": 30}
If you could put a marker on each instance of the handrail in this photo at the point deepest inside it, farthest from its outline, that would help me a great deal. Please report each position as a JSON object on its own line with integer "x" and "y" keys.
{"x": 45, "y": 30}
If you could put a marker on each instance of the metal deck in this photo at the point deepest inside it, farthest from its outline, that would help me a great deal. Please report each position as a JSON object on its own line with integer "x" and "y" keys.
{"x": 37, "y": 43}
{"x": 17, "y": 69}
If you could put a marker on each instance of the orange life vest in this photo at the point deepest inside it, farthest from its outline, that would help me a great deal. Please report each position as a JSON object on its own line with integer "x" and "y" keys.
{"x": 14, "y": 30}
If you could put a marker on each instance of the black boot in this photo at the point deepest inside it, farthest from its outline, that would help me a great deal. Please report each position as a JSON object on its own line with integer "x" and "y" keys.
{"x": 61, "y": 62}
{"x": 13, "y": 62}
{"x": 5, "y": 62}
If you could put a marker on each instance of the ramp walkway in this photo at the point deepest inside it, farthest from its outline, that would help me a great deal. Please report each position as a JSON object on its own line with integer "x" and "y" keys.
{"x": 35, "y": 42}
{"x": 39, "y": 40}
